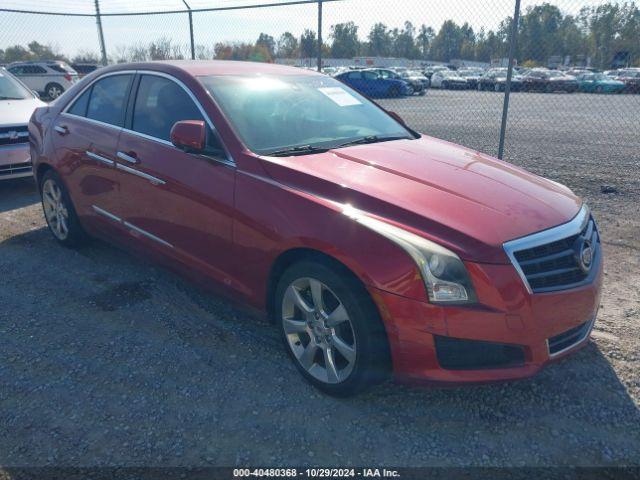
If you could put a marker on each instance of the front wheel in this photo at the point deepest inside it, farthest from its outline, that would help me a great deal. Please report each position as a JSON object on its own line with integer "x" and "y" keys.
{"x": 59, "y": 212}
{"x": 331, "y": 328}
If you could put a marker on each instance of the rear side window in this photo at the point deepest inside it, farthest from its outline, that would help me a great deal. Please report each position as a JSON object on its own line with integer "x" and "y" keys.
{"x": 108, "y": 99}
{"x": 160, "y": 103}
{"x": 354, "y": 75}
{"x": 79, "y": 107}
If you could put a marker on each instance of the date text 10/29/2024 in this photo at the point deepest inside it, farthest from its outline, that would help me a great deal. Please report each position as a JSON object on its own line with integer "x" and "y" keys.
{"x": 316, "y": 473}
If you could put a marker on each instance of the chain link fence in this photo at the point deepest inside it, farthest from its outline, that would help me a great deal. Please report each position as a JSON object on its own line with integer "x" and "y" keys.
{"x": 536, "y": 87}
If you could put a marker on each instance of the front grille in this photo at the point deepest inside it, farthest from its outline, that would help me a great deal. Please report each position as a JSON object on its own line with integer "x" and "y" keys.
{"x": 557, "y": 265}
{"x": 13, "y": 135}
{"x": 568, "y": 338}
{"x": 15, "y": 169}
{"x": 459, "y": 354}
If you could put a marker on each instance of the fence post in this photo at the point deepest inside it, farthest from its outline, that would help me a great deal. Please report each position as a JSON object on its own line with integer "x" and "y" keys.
{"x": 319, "y": 35}
{"x": 193, "y": 46}
{"x": 103, "y": 50}
{"x": 507, "y": 88}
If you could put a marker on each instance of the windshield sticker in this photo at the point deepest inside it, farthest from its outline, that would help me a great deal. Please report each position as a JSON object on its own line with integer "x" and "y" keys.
{"x": 340, "y": 96}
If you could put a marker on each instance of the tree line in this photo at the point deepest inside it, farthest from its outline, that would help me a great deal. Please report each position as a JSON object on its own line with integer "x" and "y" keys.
{"x": 598, "y": 32}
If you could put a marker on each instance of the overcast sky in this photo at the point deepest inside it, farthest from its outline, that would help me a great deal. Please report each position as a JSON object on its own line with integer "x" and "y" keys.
{"x": 74, "y": 34}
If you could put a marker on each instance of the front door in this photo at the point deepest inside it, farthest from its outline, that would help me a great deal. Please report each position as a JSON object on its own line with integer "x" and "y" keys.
{"x": 178, "y": 203}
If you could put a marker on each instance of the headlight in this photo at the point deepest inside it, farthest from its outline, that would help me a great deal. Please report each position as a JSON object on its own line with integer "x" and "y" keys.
{"x": 445, "y": 276}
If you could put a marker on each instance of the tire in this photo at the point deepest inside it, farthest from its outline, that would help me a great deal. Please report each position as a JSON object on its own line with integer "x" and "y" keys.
{"x": 358, "y": 343}
{"x": 444, "y": 85}
{"x": 599, "y": 89}
{"x": 59, "y": 212}
{"x": 497, "y": 87}
{"x": 53, "y": 90}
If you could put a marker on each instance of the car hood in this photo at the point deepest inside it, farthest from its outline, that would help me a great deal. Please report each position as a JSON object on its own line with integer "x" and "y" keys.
{"x": 18, "y": 112}
{"x": 465, "y": 200}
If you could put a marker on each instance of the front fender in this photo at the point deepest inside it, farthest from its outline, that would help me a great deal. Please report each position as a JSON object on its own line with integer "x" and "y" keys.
{"x": 273, "y": 219}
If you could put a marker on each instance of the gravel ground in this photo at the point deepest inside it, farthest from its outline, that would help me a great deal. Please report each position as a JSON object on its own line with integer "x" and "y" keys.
{"x": 107, "y": 360}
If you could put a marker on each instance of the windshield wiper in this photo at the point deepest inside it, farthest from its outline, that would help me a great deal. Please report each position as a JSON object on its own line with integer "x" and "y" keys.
{"x": 371, "y": 139}
{"x": 11, "y": 98}
{"x": 299, "y": 150}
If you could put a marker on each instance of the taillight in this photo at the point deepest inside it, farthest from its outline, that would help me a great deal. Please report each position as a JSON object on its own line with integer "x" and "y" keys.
{"x": 67, "y": 77}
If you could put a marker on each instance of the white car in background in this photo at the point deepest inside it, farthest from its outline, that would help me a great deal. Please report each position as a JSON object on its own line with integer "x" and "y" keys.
{"x": 49, "y": 79}
{"x": 17, "y": 103}
{"x": 448, "y": 79}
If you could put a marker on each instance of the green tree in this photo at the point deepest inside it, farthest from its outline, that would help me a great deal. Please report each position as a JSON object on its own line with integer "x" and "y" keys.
{"x": 345, "y": 40}
{"x": 287, "y": 45}
{"x": 379, "y": 41}
{"x": 405, "y": 46}
{"x": 424, "y": 38}
{"x": 268, "y": 43}
{"x": 308, "y": 44}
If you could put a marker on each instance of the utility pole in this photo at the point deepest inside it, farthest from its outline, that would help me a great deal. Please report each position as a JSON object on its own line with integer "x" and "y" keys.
{"x": 319, "y": 35}
{"x": 193, "y": 46}
{"x": 507, "y": 87}
{"x": 103, "y": 50}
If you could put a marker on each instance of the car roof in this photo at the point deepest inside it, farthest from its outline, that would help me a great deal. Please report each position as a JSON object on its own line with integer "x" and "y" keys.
{"x": 212, "y": 67}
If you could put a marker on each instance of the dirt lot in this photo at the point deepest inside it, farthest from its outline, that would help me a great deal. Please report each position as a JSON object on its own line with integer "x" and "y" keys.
{"x": 107, "y": 360}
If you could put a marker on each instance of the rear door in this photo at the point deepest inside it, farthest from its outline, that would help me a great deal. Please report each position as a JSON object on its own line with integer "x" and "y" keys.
{"x": 177, "y": 203}
{"x": 86, "y": 137}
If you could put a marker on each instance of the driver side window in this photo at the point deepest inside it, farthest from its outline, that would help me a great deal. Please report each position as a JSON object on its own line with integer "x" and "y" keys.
{"x": 160, "y": 103}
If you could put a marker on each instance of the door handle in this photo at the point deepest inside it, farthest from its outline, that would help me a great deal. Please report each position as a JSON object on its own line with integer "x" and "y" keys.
{"x": 61, "y": 129}
{"x": 130, "y": 157}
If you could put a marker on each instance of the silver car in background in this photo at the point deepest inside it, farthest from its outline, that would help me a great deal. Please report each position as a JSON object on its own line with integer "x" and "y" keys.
{"x": 17, "y": 103}
{"x": 50, "y": 79}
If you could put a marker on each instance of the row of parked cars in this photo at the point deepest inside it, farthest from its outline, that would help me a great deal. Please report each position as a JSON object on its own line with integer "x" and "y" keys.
{"x": 400, "y": 81}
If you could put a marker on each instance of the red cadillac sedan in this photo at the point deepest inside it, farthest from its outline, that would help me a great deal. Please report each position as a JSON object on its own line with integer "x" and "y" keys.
{"x": 376, "y": 250}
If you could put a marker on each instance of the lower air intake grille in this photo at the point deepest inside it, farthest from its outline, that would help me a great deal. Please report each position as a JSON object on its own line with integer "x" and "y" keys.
{"x": 569, "y": 338}
{"x": 459, "y": 354}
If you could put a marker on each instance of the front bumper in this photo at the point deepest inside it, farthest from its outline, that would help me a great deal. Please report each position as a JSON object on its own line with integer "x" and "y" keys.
{"x": 543, "y": 327}
{"x": 15, "y": 161}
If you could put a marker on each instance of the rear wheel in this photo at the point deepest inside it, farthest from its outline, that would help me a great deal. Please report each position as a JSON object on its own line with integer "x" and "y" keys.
{"x": 331, "y": 329}
{"x": 59, "y": 211}
{"x": 445, "y": 85}
{"x": 599, "y": 89}
{"x": 53, "y": 91}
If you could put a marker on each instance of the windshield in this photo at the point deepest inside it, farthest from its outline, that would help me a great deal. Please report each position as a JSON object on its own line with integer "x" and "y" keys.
{"x": 11, "y": 89}
{"x": 275, "y": 113}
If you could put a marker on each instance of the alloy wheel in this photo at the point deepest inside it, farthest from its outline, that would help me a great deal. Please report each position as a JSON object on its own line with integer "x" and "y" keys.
{"x": 55, "y": 210}
{"x": 54, "y": 92}
{"x": 318, "y": 330}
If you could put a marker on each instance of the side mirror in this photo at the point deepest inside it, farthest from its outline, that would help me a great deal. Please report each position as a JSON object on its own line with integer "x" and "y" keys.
{"x": 35, "y": 93}
{"x": 189, "y": 135}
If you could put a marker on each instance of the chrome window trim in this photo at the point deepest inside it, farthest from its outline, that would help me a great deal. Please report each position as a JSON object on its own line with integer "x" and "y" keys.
{"x": 228, "y": 160}
{"x": 100, "y": 158}
{"x": 151, "y": 178}
{"x": 89, "y": 85}
{"x": 572, "y": 227}
{"x": 91, "y": 120}
{"x": 582, "y": 340}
